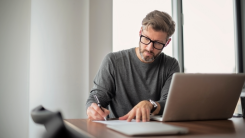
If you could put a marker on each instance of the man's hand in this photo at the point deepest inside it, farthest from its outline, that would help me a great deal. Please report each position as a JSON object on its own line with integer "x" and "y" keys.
{"x": 95, "y": 113}
{"x": 141, "y": 111}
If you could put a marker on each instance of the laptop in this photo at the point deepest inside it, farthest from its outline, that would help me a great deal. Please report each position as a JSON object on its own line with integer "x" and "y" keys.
{"x": 202, "y": 97}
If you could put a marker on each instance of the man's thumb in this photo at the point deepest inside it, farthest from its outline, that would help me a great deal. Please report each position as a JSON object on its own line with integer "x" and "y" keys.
{"x": 125, "y": 117}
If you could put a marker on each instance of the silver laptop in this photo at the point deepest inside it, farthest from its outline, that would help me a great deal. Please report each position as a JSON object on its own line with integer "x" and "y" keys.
{"x": 202, "y": 97}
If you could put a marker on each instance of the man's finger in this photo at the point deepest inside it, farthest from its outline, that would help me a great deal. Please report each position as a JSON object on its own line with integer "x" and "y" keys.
{"x": 144, "y": 114}
{"x": 131, "y": 115}
{"x": 98, "y": 110}
{"x": 148, "y": 115}
{"x": 125, "y": 117}
{"x": 93, "y": 115}
{"x": 138, "y": 114}
{"x": 107, "y": 112}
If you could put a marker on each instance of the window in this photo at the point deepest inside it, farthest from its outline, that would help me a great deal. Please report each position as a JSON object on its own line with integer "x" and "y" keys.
{"x": 208, "y": 36}
{"x": 127, "y": 17}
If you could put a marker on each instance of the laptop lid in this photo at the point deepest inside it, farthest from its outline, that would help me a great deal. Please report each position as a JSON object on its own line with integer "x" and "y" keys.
{"x": 202, "y": 96}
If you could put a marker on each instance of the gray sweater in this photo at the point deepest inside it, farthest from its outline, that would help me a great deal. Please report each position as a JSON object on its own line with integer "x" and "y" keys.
{"x": 123, "y": 81}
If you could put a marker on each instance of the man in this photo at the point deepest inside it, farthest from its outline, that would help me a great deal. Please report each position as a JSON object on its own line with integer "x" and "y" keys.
{"x": 134, "y": 83}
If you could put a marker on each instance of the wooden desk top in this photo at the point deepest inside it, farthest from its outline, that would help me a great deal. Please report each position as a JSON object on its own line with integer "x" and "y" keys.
{"x": 234, "y": 127}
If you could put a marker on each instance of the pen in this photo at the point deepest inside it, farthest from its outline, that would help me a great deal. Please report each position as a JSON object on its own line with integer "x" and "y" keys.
{"x": 98, "y": 103}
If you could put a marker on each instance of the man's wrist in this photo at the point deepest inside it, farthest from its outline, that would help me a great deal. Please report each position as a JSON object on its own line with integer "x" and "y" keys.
{"x": 154, "y": 105}
{"x": 149, "y": 104}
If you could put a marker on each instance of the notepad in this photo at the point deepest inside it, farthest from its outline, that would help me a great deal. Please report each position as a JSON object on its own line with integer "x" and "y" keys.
{"x": 117, "y": 122}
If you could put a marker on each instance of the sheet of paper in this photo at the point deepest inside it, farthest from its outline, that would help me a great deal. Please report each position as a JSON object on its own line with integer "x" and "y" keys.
{"x": 116, "y": 122}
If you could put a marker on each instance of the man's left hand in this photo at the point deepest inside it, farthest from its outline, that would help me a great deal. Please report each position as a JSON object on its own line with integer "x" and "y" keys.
{"x": 141, "y": 111}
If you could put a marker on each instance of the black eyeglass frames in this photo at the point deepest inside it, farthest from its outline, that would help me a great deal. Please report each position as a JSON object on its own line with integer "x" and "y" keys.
{"x": 157, "y": 45}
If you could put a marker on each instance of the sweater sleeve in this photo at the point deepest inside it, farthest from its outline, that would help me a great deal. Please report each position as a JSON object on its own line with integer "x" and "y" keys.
{"x": 104, "y": 83}
{"x": 174, "y": 67}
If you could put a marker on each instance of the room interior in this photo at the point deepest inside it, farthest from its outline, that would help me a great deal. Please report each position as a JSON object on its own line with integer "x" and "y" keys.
{"x": 50, "y": 52}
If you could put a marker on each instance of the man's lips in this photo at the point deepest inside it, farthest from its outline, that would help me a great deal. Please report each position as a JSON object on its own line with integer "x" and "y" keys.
{"x": 148, "y": 53}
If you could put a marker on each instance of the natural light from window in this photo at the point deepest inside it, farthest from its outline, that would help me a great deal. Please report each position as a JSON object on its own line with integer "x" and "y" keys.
{"x": 209, "y": 45}
{"x": 208, "y": 36}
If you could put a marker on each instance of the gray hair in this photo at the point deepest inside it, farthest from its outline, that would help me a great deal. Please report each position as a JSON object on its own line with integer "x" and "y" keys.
{"x": 159, "y": 21}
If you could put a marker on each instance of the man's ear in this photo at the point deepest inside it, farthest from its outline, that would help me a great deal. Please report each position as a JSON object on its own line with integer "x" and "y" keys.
{"x": 140, "y": 31}
{"x": 169, "y": 40}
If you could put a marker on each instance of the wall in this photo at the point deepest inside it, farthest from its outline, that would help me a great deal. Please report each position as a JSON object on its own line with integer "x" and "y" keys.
{"x": 69, "y": 38}
{"x": 50, "y": 52}
{"x": 100, "y": 34}
{"x": 243, "y": 31}
{"x": 14, "y": 67}
{"x": 59, "y": 58}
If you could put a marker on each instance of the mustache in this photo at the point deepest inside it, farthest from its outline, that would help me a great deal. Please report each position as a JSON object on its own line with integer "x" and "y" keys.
{"x": 151, "y": 52}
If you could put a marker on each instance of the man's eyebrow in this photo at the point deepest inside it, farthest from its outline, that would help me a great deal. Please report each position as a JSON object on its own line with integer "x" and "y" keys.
{"x": 159, "y": 41}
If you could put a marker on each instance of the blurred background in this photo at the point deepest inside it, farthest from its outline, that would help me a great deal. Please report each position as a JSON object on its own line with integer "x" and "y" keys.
{"x": 50, "y": 50}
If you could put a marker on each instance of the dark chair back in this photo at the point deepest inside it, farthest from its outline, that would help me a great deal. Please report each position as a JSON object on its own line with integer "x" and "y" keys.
{"x": 54, "y": 124}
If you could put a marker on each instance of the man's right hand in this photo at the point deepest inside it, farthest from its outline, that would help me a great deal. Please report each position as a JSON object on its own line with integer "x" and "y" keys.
{"x": 95, "y": 113}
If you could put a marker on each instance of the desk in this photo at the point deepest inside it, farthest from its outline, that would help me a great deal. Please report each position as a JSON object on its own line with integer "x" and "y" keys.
{"x": 233, "y": 127}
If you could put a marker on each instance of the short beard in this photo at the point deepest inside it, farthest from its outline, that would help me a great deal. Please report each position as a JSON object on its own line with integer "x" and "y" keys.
{"x": 148, "y": 60}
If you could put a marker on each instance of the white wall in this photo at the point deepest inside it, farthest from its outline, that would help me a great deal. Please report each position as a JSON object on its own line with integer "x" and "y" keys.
{"x": 243, "y": 31}
{"x": 14, "y": 67}
{"x": 59, "y": 58}
{"x": 100, "y": 34}
{"x": 50, "y": 52}
{"x": 69, "y": 39}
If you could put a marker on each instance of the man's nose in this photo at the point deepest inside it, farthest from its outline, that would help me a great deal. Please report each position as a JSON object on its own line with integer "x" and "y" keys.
{"x": 150, "y": 46}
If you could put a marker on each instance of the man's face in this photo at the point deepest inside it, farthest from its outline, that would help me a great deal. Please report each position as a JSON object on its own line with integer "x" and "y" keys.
{"x": 147, "y": 52}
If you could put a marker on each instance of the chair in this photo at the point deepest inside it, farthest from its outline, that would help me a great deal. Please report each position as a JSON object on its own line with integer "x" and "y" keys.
{"x": 54, "y": 124}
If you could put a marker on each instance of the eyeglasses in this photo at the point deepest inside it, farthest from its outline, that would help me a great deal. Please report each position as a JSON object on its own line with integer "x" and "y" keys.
{"x": 157, "y": 45}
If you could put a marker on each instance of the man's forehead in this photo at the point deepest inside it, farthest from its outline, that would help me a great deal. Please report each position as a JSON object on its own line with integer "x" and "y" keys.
{"x": 155, "y": 35}
{"x": 146, "y": 28}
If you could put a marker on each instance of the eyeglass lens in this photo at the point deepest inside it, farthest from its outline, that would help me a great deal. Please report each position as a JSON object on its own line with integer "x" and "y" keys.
{"x": 147, "y": 41}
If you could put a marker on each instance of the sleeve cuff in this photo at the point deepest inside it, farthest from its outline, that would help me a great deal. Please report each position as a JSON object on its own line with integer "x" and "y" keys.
{"x": 162, "y": 104}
